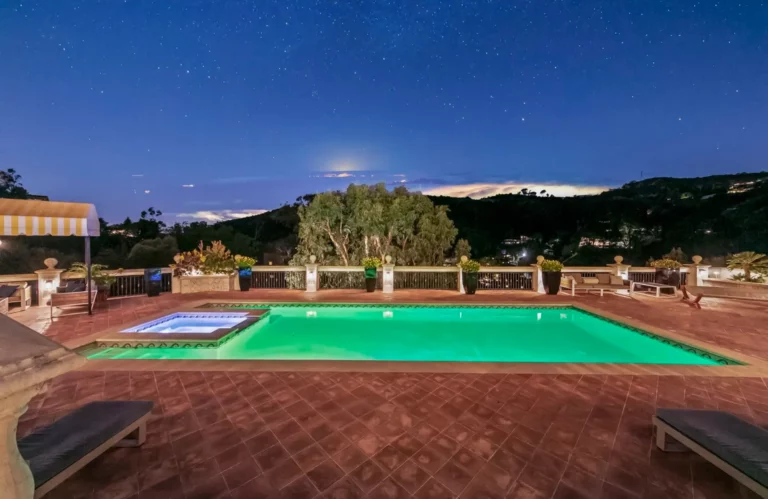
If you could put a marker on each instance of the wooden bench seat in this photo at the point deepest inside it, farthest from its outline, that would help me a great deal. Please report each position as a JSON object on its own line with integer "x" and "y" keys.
{"x": 73, "y": 299}
{"x": 57, "y": 451}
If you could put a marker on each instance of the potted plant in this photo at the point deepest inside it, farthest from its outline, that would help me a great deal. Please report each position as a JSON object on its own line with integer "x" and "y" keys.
{"x": 750, "y": 263}
{"x": 205, "y": 269}
{"x": 469, "y": 269}
{"x": 244, "y": 271}
{"x": 100, "y": 277}
{"x": 371, "y": 264}
{"x": 552, "y": 272}
{"x": 667, "y": 271}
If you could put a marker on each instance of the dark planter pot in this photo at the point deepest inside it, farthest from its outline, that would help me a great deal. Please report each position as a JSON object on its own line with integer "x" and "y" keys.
{"x": 668, "y": 276}
{"x": 61, "y": 289}
{"x": 552, "y": 282}
{"x": 370, "y": 280}
{"x": 470, "y": 282}
{"x": 244, "y": 278}
{"x": 102, "y": 295}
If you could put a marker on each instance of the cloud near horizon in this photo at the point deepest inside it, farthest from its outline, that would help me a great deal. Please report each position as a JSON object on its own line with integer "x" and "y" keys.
{"x": 220, "y": 215}
{"x": 486, "y": 189}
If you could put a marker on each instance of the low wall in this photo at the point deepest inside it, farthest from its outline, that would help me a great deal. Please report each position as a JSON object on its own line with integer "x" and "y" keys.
{"x": 719, "y": 288}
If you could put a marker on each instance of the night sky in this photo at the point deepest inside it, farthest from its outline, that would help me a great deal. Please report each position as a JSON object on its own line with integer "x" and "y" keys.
{"x": 205, "y": 108}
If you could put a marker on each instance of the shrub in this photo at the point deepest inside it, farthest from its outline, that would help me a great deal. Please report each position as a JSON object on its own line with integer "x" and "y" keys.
{"x": 98, "y": 274}
{"x": 470, "y": 266}
{"x": 551, "y": 266}
{"x": 244, "y": 262}
{"x": 743, "y": 278}
{"x": 666, "y": 263}
{"x": 371, "y": 262}
{"x": 211, "y": 260}
{"x": 157, "y": 252}
{"x": 749, "y": 262}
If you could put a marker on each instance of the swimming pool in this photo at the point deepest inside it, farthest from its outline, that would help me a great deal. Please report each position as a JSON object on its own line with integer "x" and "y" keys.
{"x": 190, "y": 322}
{"x": 435, "y": 333}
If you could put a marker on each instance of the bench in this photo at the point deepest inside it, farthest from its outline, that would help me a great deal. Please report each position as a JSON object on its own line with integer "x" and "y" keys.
{"x": 56, "y": 452}
{"x": 73, "y": 299}
{"x": 575, "y": 281}
{"x": 737, "y": 447}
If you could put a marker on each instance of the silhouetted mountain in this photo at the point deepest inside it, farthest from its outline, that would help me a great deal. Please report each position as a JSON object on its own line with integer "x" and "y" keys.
{"x": 711, "y": 216}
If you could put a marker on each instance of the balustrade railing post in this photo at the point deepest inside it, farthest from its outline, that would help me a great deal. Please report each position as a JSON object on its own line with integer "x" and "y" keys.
{"x": 312, "y": 276}
{"x": 537, "y": 279}
{"x": 388, "y": 276}
{"x": 48, "y": 280}
{"x": 697, "y": 272}
{"x": 618, "y": 268}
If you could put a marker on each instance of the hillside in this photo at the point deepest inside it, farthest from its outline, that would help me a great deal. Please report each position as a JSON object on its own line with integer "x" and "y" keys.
{"x": 711, "y": 216}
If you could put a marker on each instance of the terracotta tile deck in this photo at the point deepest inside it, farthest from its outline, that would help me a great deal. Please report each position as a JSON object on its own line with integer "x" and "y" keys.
{"x": 251, "y": 434}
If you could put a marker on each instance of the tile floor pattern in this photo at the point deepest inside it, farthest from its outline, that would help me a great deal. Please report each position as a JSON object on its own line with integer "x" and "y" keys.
{"x": 248, "y": 435}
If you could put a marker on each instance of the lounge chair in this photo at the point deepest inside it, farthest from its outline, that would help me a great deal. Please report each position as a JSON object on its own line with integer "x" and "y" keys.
{"x": 3, "y": 306}
{"x": 737, "y": 447}
{"x": 601, "y": 282}
{"x": 22, "y": 295}
{"x": 73, "y": 298}
{"x": 56, "y": 452}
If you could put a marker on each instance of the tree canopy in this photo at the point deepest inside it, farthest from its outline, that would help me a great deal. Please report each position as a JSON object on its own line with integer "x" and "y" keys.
{"x": 344, "y": 227}
{"x": 10, "y": 185}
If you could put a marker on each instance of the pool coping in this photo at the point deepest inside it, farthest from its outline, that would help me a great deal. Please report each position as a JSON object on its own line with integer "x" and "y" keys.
{"x": 751, "y": 366}
{"x": 133, "y": 339}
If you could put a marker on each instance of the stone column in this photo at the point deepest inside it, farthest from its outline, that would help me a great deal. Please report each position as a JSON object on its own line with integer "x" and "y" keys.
{"x": 47, "y": 281}
{"x": 618, "y": 268}
{"x": 697, "y": 272}
{"x": 312, "y": 276}
{"x": 388, "y": 276}
{"x": 28, "y": 362}
{"x": 461, "y": 276}
{"x": 537, "y": 283}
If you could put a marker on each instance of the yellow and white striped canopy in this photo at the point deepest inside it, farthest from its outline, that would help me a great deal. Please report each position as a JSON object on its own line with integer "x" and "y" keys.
{"x": 47, "y": 218}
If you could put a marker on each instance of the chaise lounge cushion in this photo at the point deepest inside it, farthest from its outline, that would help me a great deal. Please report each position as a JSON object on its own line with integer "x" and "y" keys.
{"x": 576, "y": 278}
{"x": 737, "y": 442}
{"x": 7, "y": 291}
{"x": 604, "y": 278}
{"x": 54, "y": 448}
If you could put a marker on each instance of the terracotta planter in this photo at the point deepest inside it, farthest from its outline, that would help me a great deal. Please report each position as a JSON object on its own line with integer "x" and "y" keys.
{"x": 552, "y": 282}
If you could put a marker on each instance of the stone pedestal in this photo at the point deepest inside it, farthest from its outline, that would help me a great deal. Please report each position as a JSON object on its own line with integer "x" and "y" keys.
{"x": 48, "y": 279}
{"x": 618, "y": 268}
{"x": 388, "y": 277}
{"x": 27, "y": 362}
{"x": 461, "y": 276}
{"x": 697, "y": 272}
{"x": 312, "y": 275}
{"x": 537, "y": 283}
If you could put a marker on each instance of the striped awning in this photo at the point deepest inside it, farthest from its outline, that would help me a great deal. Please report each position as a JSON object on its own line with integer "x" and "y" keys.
{"x": 47, "y": 218}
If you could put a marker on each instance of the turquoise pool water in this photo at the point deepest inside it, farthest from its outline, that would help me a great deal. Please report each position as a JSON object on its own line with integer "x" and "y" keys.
{"x": 456, "y": 334}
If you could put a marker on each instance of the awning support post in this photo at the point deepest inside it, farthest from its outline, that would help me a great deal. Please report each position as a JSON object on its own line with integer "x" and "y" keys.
{"x": 88, "y": 272}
